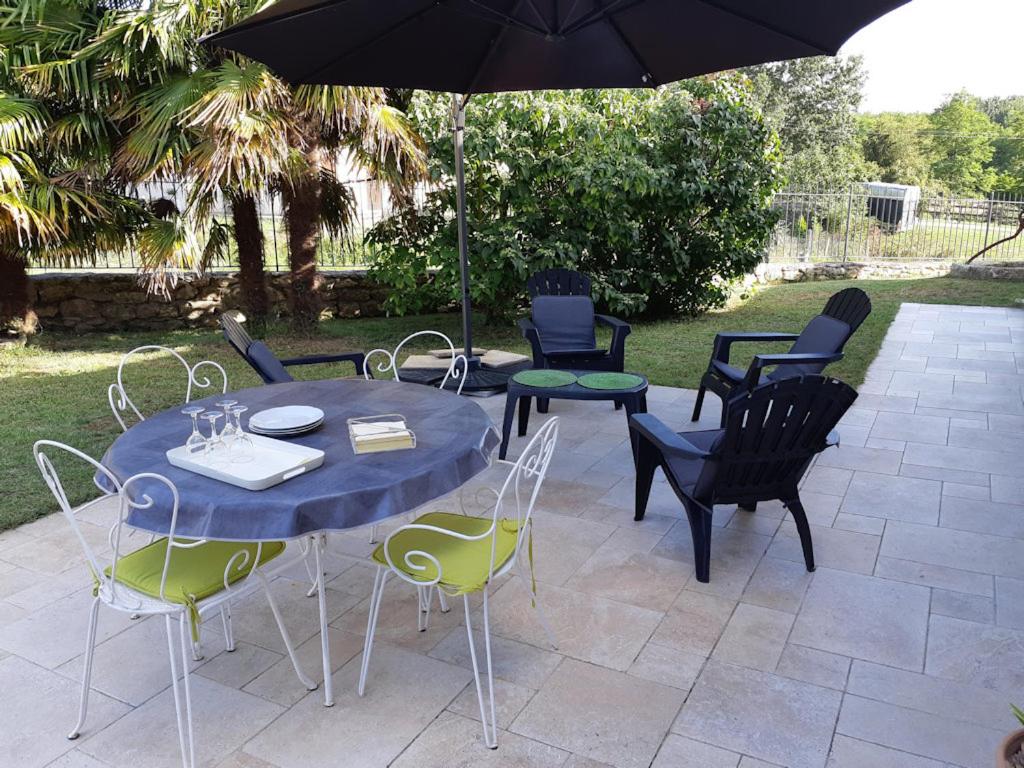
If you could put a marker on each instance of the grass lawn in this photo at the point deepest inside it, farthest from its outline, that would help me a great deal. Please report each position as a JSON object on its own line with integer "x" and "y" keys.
{"x": 56, "y": 386}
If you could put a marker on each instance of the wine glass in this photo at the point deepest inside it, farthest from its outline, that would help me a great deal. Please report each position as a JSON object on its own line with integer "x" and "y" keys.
{"x": 216, "y": 448}
{"x": 195, "y": 446}
{"x": 242, "y": 447}
{"x": 228, "y": 433}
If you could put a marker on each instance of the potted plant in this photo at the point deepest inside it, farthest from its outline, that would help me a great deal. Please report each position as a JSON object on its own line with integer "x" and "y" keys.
{"x": 1011, "y": 751}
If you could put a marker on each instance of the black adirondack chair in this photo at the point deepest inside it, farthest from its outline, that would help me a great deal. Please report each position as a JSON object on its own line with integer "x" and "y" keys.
{"x": 562, "y": 328}
{"x": 270, "y": 368}
{"x": 822, "y": 339}
{"x": 771, "y": 433}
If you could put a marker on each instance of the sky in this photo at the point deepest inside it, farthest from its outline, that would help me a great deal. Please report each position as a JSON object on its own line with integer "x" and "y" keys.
{"x": 927, "y": 49}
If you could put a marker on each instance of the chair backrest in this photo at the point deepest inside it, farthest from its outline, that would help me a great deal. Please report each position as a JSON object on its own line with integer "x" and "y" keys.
{"x": 130, "y": 496}
{"x": 122, "y": 405}
{"x": 565, "y": 322}
{"x": 255, "y": 353}
{"x": 851, "y": 305}
{"x": 514, "y": 507}
{"x": 828, "y": 332}
{"x": 235, "y": 333}
{"x": 558, "y": 282}
{"x": 771, "y": 434}
{"x": 386, "y": 361}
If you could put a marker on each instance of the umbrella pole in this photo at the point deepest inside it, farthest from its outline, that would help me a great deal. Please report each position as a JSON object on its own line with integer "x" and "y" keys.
{"x": 458, "y": 130}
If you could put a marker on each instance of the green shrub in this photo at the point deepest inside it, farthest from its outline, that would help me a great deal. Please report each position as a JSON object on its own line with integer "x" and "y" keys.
{"x": 662, "y": 196}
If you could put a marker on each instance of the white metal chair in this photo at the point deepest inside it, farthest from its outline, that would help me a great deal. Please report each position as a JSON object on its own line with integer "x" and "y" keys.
{"x": 389, "y": 360}
{"x": 196, "y": 578}
{"x": 459, "y": 555}
{"x": 123, "y": 406}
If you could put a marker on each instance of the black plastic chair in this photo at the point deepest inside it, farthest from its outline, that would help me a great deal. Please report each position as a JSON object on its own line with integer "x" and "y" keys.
{"x": 771, "y": 433}
{"x": 561, "y": 330}
{"x": 819, "y": 344}
{"x": 270, "y": 368}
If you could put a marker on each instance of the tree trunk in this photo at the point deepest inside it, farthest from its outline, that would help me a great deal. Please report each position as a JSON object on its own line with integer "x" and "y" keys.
{"x": 15, "y": 303}
{"x": 302, "y": 213}
{"x": 251, "y": 278}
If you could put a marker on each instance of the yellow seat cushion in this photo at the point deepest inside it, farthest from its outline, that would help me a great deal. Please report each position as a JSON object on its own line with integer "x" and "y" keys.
{"x": 465, "y": 565}
{"x": 194, "y": 573}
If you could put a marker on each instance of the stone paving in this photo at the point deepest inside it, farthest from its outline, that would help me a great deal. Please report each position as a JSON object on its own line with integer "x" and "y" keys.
{"x": 904, "y": 649}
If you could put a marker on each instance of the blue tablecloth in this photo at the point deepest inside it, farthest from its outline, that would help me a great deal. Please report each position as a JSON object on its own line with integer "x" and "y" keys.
{"x": 454, "y": 441}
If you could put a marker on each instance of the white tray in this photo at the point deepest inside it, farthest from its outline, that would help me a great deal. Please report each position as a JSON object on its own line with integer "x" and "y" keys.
{"x": 274, "y": 462}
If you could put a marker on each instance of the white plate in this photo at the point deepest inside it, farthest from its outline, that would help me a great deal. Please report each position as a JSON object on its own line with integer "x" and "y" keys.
{"x": 274, "y": 462}
{"x": 285, "y": 418}
{"x": 286, "y": 432}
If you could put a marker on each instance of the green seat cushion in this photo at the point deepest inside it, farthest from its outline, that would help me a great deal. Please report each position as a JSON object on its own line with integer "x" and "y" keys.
{"x": 193, "y": 574}
{"x": 610, "y": 381}
{"x": 465, "y": 565}
{"x": 544, "y": 377}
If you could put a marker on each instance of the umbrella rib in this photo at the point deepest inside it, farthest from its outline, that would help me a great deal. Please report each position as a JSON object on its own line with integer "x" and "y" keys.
{"x": 540, "y": 16}
{"x": 647, "y": 78}
{"x": 770, "y": 27}
{"x": 506, "y": 20}
{"x": 491, "y": 48}
{"x": 599, "y": 14}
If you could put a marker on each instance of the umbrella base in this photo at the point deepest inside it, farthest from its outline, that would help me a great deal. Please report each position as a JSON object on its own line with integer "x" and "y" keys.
{"x": 483, "y": 382}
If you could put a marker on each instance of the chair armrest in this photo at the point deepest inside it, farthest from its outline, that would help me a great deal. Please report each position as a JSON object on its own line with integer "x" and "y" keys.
{"x": 807, "y": 358}
{"x": 576, "y": 353}
{"x": 651, "y": 427}
{"x": 356, "y": 358}
{"x": 725, "y": 339}
{"x": 532, "y": 335}
{"x": 620, "y": 330}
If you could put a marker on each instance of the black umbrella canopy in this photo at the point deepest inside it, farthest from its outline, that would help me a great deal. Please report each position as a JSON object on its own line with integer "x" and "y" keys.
{"x": 484, "y": 46}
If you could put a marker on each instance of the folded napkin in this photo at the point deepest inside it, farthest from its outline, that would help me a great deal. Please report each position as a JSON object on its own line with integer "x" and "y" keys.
{"x": 376, "y": 436}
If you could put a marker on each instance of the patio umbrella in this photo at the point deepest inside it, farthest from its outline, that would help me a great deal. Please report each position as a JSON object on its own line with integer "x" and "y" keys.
{"x": 484, "y": 46}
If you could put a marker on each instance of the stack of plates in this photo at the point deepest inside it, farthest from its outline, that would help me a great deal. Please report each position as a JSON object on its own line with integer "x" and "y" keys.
{"x": 286, "y": 421}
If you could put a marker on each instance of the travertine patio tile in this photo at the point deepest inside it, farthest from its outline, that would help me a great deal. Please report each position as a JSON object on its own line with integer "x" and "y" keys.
{"x": 754, "y": 637}
{"x": 519, "y": 663}
{"x": 895, "y": 498}
{"x": 1006, "y": 489}
{"x": 405, "y": 691}
{"x": 831, "y": 480}
{"x": 854, "y": 457}
{"x": 39, "y": 710}
{"x": 891, "y": 624}
{"x": 909, "y": 426}
{"x": 900, "y": 404}
{"x": 509, "y": 700}
{"x": 223, "y": 717}
{"x": 241, "y": 666}
{"x": 778, "y": 584}
{"x": 873, "y": 526}
{"x": 980, "y": 552}
{"x": 961, "y": 605}
{"x": 45, "y": 590}
{"x": 762, "y": 715}
{"x": 586, "y": 627}
{"x": 694, "y": 623}
{"x": 980, "y": 479}
{"x": 631, "y": 576}
{"x": 828, "y": 670}
{"x": 561, "y": 545}
{"x": 1009, "y": 602}
{"x": 964, "y": 491}
{"x": 668, "y": 666}
{"x": 916, "y": 732}
{"x": 573, "y": 711}
{"x": 886, "y": 445}
{"x": 240, "y": 759}
{"x": 853, "y": 753}
{"x": 680, "y": 752}
{"x": 1007, "y": 442}
{"x": 946, "y": 413}
{"x": 904, "y": 383}
{"x": 453, "y": 741}
{"x": 833, "y": 548}
{"x": 994, "y": 403}
{"x": 396, "y": 621}
{"x": 939, "y": 576}
{"x": 979, "y": 654}
{"x": 77, "y": 759}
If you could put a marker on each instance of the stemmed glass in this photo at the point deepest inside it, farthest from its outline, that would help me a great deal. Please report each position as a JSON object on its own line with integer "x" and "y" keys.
{"x": 242, "y": 448}
{"x": 196, "y": 443}
{"x": 216, "y": 448}
{"x": 228, "y": 433}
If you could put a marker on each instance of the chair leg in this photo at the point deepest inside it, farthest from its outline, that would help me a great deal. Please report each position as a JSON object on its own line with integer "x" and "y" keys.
{"x": 173, "y": 654}
{"x": 647, "y": 461}
{"x": 229, "y": 632}
{"x": 425, "y": 595}
{"x": 699, "y": 404}
{"x": 542, "y": 618}
{"x": 442, "y": 600}
{"x": 796, "y": 508}
{"x": 700, "y": 529}
{"x": 618, "y": 405}
{"x": 371, "y": 624}
{"x": 183, "y": 628}
{"x": 303, "y": 678}
{"x": 321, "y": 599}
{"x": 373, "y": 534}
{"x": 542, "y": 404}
{"x": 490, "y": 731}
{"x": 90, "y": 645}
{"x": 749, "y": 506}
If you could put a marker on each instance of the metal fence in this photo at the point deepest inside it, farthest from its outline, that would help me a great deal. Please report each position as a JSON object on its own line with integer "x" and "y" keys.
{"x": 867, "y": 222}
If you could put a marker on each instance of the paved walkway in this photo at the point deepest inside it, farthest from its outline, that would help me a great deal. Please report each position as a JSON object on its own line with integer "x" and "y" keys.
{"x": 903, "y": 650}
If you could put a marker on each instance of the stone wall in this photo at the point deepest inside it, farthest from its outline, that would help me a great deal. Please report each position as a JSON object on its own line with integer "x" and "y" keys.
{"x": 983, "y": 271}
{"x": 879, "y": 270}
{"x": 107, "y": 302}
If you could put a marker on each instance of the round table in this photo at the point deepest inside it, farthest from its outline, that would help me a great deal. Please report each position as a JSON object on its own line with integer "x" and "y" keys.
{"x": 454, "y": 440}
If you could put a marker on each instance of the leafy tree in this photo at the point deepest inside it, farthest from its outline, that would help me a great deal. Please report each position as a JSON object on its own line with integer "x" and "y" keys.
{"x": 962, "y": 144}
{"x": 812, "y": 103}
{"x": 661, "y": 196}
{"x": 1012, "y": 161}
{"x": 896, "y": 147}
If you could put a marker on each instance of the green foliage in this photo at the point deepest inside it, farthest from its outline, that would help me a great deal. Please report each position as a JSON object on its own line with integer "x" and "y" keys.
{"x": 896, "y": 147}
{"x": 962, "y": 144}
{"x": 661, "y": 196}
{"x": 812, "y": 103}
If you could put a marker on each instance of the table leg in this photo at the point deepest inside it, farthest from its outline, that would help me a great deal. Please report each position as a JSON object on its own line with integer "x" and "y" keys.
{"x": 506, "y": 424}
{"x": 524, "y": 414}
{"x": 325, "y": 645}
{"x": 635, "y": 404}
